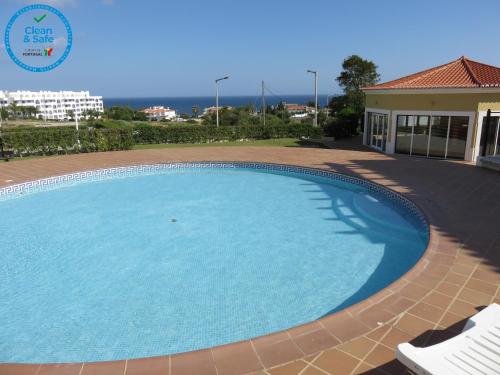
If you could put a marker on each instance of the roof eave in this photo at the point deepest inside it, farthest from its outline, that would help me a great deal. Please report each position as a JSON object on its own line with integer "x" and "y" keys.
{"x": 433, "y": 90}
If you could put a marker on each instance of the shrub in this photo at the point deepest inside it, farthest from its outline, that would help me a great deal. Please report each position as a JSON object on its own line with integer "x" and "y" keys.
{"x": 200, "y": 134}
{"x": 63, "y": 140}
{"x": 119, "y": 135}
{"x": 341, "y": 127}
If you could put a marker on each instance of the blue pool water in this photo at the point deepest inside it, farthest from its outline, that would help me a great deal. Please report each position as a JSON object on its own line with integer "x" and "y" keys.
{"x": 175, "y": 261}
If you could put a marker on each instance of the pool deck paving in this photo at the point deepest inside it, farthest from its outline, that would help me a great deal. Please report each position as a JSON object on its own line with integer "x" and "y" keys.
{"x": 457, "y": 277}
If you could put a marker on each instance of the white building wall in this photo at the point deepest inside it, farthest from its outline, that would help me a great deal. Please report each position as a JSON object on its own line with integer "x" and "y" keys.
{"x": 54, "y": 105}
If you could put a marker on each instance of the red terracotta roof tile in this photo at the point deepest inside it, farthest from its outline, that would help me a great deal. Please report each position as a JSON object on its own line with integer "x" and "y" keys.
{"x": 461, "y": 73}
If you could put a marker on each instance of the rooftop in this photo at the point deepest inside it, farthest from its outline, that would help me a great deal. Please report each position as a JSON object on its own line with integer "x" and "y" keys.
{"x": 157, "y": 109}
{"x": 461, "y": 73}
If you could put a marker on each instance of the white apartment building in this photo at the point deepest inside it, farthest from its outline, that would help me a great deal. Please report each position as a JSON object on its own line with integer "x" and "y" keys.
{"x": 158, "y": 113}
{"x": 54, "y": 105}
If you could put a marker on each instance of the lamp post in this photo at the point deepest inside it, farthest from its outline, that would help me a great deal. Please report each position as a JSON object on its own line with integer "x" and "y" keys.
{"x": 217, "y": 97}
{"x": 315, "y": 96}
{"x": 77, "y": 130}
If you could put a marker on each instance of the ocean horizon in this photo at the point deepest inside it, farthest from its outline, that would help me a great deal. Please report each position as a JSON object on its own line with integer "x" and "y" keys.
{"x": 185, "y": 104}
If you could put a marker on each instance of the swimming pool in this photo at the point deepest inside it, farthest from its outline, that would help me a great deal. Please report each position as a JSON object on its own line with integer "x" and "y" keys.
{"x": 150, "y": 260}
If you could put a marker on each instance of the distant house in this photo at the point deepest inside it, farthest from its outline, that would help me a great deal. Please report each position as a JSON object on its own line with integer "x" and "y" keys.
{"x": 294, "y": 109}
{"x": 158, "y": 113}
{"x": 210, "y": 110}
{"x": 449, "y": 111}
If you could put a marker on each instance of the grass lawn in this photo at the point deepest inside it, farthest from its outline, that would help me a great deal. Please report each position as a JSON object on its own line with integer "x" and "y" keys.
{"x": 282, "y": 142}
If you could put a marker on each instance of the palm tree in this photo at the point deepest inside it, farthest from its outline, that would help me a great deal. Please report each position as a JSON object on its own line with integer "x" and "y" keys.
{"x": 13, "y": 108}
{"x": 30, "y": 111}
{"x": 71, "y": 114}
{"x": 4, "y": 113}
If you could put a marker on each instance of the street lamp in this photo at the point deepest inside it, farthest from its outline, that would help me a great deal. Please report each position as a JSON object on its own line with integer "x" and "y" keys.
{"x": 77, "y": 131}
{"x": 217, "y": 97}
{"x": 315, "y": 95}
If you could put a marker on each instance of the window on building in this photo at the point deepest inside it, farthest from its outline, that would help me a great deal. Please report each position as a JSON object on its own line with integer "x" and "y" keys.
{"x": 432, "y": 136}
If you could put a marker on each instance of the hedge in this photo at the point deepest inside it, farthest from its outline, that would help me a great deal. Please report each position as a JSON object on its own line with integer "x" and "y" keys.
{"x": 144, "y": 134}
{"x": 64, "y": 140}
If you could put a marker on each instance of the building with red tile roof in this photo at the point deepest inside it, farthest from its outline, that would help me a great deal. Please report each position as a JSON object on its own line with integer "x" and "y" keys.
{"x": 461, "y": 73}
{"x": 158, "y": 113}
{"x": 448, "y": 111}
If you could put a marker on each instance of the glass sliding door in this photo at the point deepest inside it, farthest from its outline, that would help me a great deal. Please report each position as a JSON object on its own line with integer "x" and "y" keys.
{"x": 438, "y": 136}
{"x": 374, "y": 130}
{"x": 492, "y": 138}
{"x": 385, "y": 120}
{"x": 457, "y": 140}
{"x": 432, "y": 136}
{"x": 377, "y": 130}
{"x": 420, "y": 141}
{"x": 404, "y": 134}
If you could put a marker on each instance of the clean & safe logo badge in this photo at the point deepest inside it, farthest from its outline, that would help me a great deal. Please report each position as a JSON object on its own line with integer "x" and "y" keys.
{"x": 38, "y": 38}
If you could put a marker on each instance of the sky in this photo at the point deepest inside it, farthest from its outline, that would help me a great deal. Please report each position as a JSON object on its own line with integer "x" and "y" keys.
{"x": 149, "y": 48}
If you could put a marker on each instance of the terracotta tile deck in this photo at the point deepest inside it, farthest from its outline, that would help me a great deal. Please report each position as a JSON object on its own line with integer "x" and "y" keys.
{"x": 458, "y": 275}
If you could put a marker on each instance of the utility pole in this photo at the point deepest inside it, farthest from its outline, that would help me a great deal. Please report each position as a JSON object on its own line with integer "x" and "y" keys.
{"x": 217, "y": 97}
{"x": 263, "y": 104}
{"x": 315, "y": 96}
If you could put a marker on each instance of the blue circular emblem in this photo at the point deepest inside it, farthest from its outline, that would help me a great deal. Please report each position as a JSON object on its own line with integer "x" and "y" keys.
{"x": 38, "y": 38}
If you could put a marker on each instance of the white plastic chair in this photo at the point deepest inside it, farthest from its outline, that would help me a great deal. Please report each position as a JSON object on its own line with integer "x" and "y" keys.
{"x": 476, "y": 351}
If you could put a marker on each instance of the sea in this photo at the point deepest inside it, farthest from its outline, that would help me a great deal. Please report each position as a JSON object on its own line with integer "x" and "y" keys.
{"x": 184, "y": 105}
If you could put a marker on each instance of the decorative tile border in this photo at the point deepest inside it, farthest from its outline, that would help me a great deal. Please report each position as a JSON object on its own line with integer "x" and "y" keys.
{"x": 52, "y": 183}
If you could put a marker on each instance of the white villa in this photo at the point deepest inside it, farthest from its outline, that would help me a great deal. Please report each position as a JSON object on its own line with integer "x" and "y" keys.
{"x": 158, "y": 113}
{"x": 54, "y": 105}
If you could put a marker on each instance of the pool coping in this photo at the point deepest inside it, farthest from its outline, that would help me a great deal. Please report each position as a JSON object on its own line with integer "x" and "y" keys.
{"x": 310, "y": 338}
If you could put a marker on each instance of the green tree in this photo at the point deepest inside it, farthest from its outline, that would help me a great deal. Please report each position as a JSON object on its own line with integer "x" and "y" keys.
{"x": 140, "y": 116}
{"x": 86, "y": 114}
{"x": 13, "y": 109}
{"x": 356, "y": 74}
{"x": 71, "y": 114}
{"x": 338, "y": 103}
{"x": 312, "y": 104}
{"x": 28, "y": 111}
{"x": 119, "y": 113}
{"x": 4, "y": 113}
